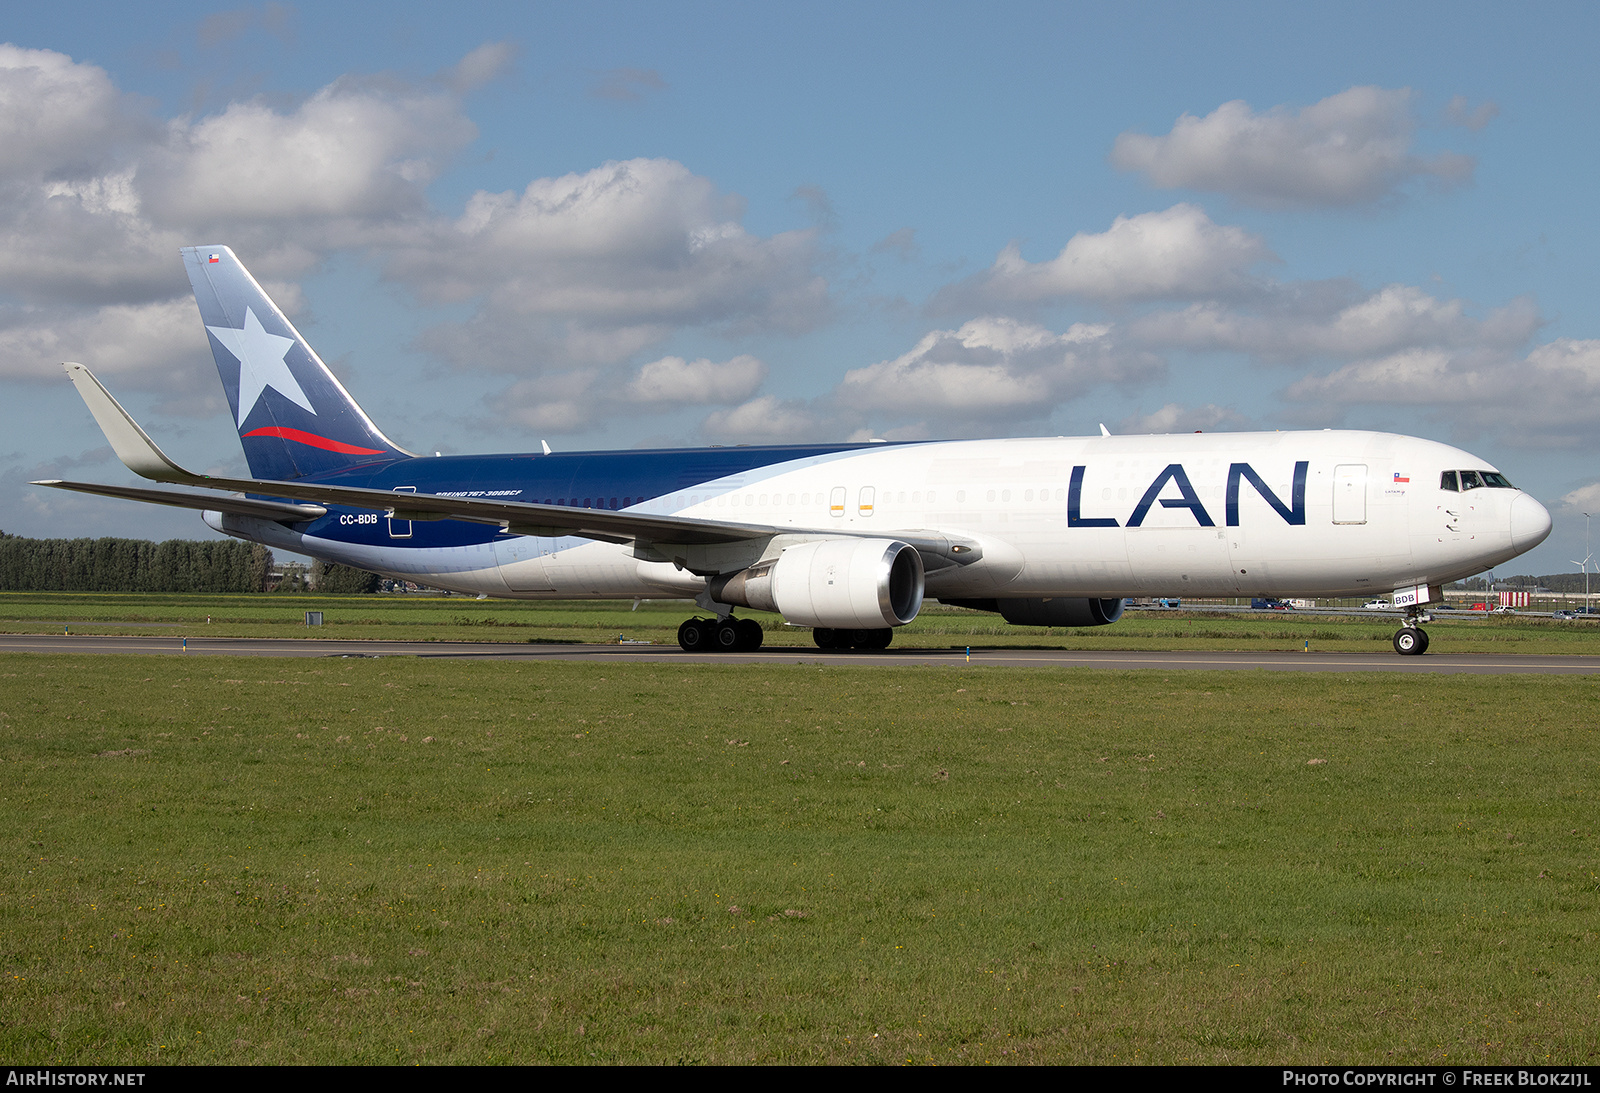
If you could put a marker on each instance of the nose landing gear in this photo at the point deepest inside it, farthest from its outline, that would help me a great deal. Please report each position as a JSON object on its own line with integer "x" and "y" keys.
{"x": 1411, "y": 640}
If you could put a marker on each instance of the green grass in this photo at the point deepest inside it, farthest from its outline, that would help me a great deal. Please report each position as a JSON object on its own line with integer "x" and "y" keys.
{"x": 458, "y": 618}
{"x": 261, "y": 861}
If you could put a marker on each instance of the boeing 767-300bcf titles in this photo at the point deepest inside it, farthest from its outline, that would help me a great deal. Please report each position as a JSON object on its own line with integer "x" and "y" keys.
{"x": 844, "y": 538}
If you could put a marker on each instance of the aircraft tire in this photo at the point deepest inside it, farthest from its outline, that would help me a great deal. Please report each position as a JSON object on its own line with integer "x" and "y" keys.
{"x": 824, "y": 637}
{"x": 750, "y": 634}
{"x": 878, "y": 638}
{"x": 1410, "y": 641}
{"x": 693, "y": 636}
{"x": 726, "y": 638}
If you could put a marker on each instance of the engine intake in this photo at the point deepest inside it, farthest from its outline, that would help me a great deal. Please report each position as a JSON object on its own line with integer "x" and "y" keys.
{"x": 854, "y": 584}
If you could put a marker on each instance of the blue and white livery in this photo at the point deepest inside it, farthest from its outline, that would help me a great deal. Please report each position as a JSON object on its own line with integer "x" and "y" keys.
{"x": 845, "y": 538}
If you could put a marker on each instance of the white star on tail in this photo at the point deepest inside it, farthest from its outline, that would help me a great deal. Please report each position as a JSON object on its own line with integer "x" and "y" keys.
{"x": 261, "y": 364}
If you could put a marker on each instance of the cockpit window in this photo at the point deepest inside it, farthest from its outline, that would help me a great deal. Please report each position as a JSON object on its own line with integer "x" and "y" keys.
{"x": 1473, "y": 480}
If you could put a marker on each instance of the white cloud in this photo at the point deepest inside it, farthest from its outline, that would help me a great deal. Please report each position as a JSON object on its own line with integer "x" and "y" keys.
{"x": 58, "y": 118}
{"x": 1294, "y": 322}
{"x": 590, "y": 269}
{"x": 1460, "y": 112}
{"x": 1177, "y": 253}
{"x": 992, "y": 372}
{"x": 97, "y": 195}
{"x": 992, "y": 375}
{"x": 1173, "y": 418}
{"x": 1348, "y": 149}
{"x": 596, "y": 266}
{"x": 673, "y": 380}
{"x": 481, "y": 66}
{"x": 1583, "y": 499}
{"x": 157, "y": 346}
{"x": 1548, "y": 399}
{"x": 85, "y": 241}
{"x": 902, "y": 244}
{"x": 570, "y": 401}
{"x": 556, "y": 403}
{"x": 352, "y": 151}
{"x": 771, "y": 420}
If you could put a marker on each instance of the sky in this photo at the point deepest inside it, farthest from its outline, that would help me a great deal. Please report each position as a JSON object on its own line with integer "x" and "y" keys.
{"x": 613, "y": 225}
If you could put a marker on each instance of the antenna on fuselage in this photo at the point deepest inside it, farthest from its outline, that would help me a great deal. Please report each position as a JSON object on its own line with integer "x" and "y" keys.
{"x": 1103, "y": 430}
{"x": 545, "y": 444}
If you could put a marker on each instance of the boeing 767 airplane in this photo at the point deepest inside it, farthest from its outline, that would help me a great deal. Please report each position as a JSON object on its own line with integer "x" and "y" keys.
{"x": 844, "y": 538}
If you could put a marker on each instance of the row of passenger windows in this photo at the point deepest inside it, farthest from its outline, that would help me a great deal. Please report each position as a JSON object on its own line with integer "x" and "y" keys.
{"x": 752, "y": 500}
{"x": 1456, "y": 481}
{"x": 590, "y": 502}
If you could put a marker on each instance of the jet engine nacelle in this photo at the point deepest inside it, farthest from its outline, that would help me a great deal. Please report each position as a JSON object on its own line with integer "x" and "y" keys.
{"x": 1055, "y": 611}
{"x": 847, "y": 584}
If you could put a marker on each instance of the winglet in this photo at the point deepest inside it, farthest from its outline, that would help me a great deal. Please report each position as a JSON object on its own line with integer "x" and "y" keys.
{"x": 131, "y": 443}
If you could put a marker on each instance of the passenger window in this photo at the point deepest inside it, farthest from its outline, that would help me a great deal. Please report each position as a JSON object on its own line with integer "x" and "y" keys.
{"x": 1447, "y": 481}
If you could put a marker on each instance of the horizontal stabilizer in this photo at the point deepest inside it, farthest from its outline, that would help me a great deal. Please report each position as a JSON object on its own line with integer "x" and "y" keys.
{"x": 185, "y": 499}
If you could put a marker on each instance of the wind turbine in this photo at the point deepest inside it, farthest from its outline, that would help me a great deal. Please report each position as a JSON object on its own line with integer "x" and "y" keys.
{"x": 1587, "y": 558}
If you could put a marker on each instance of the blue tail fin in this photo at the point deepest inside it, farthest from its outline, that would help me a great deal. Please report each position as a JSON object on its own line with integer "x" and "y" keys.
{"x": 294, "y": 418}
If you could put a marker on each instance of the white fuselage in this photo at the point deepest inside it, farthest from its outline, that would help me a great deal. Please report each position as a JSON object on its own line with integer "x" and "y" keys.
{"x": 1332, "y": 513}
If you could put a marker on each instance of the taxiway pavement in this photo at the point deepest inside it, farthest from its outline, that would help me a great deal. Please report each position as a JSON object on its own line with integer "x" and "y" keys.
{"x": 1432, "y": 663}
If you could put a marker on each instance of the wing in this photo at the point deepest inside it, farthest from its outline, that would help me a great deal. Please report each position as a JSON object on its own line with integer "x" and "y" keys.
{"x": 141, "y": 455}
{"x": 186, "y": 499}
{"x": 135, "y": 448}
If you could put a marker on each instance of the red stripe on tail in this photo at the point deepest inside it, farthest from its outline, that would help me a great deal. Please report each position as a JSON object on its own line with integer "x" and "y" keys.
{"x": 312, "y": 439}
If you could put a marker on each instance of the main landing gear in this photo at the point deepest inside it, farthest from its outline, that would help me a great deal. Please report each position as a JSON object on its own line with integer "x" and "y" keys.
{"x": 723, "y": 635}
{"x": 731, "y": 635}
{"x": 827, "y": 638}
{"x": 1411, "y": 640}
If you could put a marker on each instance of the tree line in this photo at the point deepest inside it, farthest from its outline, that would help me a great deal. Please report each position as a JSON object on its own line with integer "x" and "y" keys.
{"x": 132, "y": 565}
{"x": 1555, "y": 582}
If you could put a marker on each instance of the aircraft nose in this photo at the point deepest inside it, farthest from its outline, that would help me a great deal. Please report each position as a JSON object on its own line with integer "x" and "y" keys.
{"x": 1530, "y": 523}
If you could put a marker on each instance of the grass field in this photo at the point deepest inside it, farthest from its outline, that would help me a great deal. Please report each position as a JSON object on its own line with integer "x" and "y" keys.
{"x": 251, "y": 861}
{"x": 456, "y": 618}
